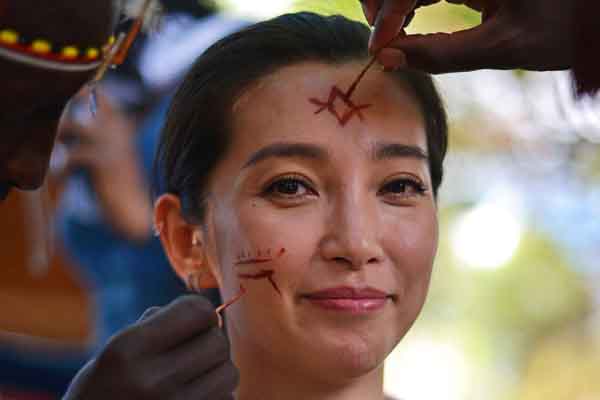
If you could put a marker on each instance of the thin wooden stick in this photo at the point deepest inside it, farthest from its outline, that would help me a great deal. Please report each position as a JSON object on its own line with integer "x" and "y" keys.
{"x": 368, "y": 66}
{"x": 229, "y": 302}
{"x": 360, "y": 76}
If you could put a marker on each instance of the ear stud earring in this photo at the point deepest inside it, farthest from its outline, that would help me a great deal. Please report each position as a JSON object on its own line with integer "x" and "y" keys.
{"x": 158, "y": 229}
{"x": 195, "y": 239}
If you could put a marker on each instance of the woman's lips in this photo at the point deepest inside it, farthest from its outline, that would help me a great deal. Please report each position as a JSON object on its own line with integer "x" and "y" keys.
{"x": 349, "y": 299}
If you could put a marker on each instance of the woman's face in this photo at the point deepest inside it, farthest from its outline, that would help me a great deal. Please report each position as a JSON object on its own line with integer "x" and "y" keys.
{"x": 351, "y": 205}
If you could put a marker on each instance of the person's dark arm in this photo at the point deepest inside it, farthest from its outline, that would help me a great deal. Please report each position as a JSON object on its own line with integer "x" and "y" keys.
{"x": 174, "y": 353}
{"x": 533, "y": 35}
{"x": 104, "y": 146}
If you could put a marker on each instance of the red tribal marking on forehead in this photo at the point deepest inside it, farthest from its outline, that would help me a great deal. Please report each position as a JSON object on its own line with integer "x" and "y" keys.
{"x": 346, "y": 98}
{"x": 329, "y": 105}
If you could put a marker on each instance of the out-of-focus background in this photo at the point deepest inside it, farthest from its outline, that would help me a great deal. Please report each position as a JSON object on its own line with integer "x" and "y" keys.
{"x": 514, "y": 307}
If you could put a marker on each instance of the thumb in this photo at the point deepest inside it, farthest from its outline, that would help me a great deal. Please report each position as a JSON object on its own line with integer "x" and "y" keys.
{"x": 149, "y": 313}
{"x": 467, "y": 50}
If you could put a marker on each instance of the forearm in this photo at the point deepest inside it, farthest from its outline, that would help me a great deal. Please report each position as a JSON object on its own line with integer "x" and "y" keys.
{"x": 124, "y": 198}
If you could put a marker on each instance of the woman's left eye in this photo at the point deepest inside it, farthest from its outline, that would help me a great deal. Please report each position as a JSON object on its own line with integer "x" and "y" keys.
{"x": 403, "y": 188}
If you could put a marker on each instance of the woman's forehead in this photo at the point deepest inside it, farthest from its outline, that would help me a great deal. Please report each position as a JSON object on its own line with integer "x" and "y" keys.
{"x": 308, "y": 100}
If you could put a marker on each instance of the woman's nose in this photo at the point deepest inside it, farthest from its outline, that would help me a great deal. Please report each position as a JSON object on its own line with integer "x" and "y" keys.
{"x": 352, "y": 236}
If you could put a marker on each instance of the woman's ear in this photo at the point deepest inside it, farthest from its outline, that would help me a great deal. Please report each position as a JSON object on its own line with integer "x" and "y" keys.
{"x": 184, "y": 244}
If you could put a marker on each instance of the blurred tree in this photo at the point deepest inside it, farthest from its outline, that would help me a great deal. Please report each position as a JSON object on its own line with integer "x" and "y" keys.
{"x": 498, "y": 315}
{"x": 348, "y": 8}
{"x": 566, "y": 366}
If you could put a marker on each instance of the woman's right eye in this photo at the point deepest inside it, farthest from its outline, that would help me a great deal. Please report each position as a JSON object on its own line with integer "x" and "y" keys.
{"x": 289, "y": 187}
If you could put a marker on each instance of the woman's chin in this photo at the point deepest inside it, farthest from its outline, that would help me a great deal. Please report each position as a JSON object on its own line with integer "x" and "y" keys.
{"x": 351, "y": 354}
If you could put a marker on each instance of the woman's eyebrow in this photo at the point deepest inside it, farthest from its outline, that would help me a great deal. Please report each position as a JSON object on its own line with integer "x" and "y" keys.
{"x": 383, "y": 151}
{"x": 287, "y": 150}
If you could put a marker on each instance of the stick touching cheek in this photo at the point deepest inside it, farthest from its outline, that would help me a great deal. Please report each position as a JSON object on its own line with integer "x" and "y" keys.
{"x": 249, "y": 259}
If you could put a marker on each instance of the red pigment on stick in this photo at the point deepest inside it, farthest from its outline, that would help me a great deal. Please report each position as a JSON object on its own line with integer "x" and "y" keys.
{"x": 265, "y": 273}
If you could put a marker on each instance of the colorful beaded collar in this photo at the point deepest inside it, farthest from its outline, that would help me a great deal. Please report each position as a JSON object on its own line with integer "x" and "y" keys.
{"x": 43, "y": 53}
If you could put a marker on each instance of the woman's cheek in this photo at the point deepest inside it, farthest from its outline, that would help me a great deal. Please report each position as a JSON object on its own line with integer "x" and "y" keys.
{"x": 412, "y": 243}
{"x": 288, "y": 234}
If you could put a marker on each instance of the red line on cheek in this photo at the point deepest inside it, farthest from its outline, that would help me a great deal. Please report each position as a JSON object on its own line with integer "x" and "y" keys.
{"x": 268, "y": 274}
{"x": 272, "y": 281}
{"x": 253, "y": 261}
{"x": 263, "y": 274}
{"x": 259, "y": 275}
{"x": 259, "y": 259}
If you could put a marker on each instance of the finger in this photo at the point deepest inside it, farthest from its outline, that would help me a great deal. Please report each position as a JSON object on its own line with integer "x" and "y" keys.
{"x": 218, "y": 383}
{"x": 81, "y": 156}
{"x": 173, "y": 324}
{"x": 370, "y": 9}
{"x": 466, "y": 50}
{"x": 195, "y": 357}
{"x": 71, "y": 131}
{"x": 389, "y": 21}
{"x": 103, "y": 102}
{"x": 391, "y": 59}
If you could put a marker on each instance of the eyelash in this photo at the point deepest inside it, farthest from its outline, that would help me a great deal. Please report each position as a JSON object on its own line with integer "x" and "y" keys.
{"x": 296, "y": 179}
{"x": 418, "y": 188}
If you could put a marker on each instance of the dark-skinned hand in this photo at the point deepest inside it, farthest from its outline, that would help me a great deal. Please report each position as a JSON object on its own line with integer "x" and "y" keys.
{"x": 173, "y": 353}
{"x": 527, "y": 34}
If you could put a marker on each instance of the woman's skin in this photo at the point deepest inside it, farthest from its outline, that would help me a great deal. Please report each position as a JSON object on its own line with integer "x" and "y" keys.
{"x": 345, "y": 203}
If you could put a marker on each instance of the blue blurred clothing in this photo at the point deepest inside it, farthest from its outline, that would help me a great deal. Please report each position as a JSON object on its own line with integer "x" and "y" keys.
{"x": 124, "y": 278}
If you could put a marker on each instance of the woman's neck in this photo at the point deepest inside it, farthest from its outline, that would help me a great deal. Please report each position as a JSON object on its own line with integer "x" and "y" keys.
{"x": 260, "y": 380}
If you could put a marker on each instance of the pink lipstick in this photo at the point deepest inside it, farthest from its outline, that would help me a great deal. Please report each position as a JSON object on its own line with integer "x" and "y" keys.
{"x": 349, "y": 299}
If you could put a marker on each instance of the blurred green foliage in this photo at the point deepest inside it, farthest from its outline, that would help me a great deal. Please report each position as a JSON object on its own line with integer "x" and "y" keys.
{"x": 348, "y": 8}
{"x": 498, "y": 316}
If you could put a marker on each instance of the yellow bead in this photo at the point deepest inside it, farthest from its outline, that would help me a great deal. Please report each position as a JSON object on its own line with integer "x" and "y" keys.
{"x": 92, "y": 53}
{"x": 41, "y": 46}
{"x": 9, "y": 36}
{"x": 111, "y": 40}
{"x": 70, "y": 52}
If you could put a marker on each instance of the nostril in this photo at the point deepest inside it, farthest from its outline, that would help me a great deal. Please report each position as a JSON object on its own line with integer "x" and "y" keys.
{"x": 373, "y": 260}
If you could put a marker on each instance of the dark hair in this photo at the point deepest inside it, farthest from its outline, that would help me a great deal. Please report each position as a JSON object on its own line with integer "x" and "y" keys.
{"x": 197, "y": 131}
{"x": 194, "y": 8}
